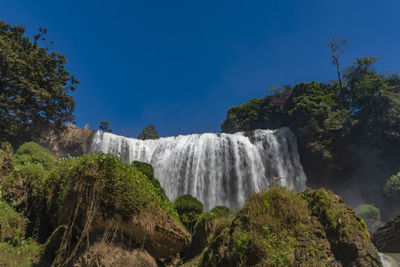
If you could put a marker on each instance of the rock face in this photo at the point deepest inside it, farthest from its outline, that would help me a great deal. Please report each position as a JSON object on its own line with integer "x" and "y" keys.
{"x": 387, "y": 238}
{"x": 282, "y": 228}
{"x": 108, "y": 255}
{"x": 346, "y": 233}
{"x": 95, "y": 195}
{"x": 73, "y": 141}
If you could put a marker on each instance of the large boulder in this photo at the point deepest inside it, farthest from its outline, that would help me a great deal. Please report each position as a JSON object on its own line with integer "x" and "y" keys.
{"x": 346, "y": 233}
{"x": 279, "y": 227}
{"x": 387, "y": 238}
{"x": 96, "y": 194}
{"x": 108, "y": 255}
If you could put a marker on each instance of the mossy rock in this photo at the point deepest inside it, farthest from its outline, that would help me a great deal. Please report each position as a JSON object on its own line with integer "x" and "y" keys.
{"x": 25, "y": 255}
{"x": 6, "y": 164}
{"x": 96, "y": 192}
{"x": 33, "y": 153}
{"x": 106, "y": 254}
{"x": 12, "y": 224}
{"x": 7, "y": 147}
{"x": 206, "y": 225}
{"x": 346, "y": 232}
{"x": 274, "y": 228}
{"x": 189, "y": 209}
{"x": 23, "y": 184}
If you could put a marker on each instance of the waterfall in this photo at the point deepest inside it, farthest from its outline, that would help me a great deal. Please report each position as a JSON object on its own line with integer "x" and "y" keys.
{"x": 218, "y": 169}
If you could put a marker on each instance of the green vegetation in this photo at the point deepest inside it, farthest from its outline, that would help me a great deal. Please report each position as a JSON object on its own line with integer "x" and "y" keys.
{"x": 35, "y": 87}
{"x": 206, "y": 225}
{"x": 12, "y": 224}
{"x": 34, "y": 153}
{"x": 123, "y": 188}
{"x": 272, "y": 229}
{"x": 392, "y": 185}
{"x": 368, "y": 212}
{"x": 24, "y": 255}
{"x": 148, "y": 132}
{"x": 14, "y": 249}
{"x": 105, "y": 126}
{"x": 148, "y": 171}
{"x": 279, "y": 227}
{"x": 189, "y": 210}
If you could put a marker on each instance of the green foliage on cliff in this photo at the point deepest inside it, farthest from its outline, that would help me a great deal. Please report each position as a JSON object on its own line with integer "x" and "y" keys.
{"x": 121, "y": 187}
{"x": 148, "y": 132}
{"x": 279, "y": 227}
{"x": 368, "y": 212}
{"x": 148, "y": 170}
{"x": 35, "y": 87}
{"x": 272, "y": 229}
{"x": 189, "y": 210}
{"x": 392, "y": 185}
{"x": 206, "y": 225}
{"x": 12, "y": 224}
{"x": 15, "y": 250}
{"x": 33, "y": 153}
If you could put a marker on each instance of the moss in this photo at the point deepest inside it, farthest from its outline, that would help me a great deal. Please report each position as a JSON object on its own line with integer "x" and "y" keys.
{"x": 25, "y": 255}
{"x": 24, "y": 186}
{"x": 189, "y": 210}
{"x": 205, "y": 227}
{"x": 7, "y": 147}
{"x": 34, "y": 153}
{"x": 123, "y": 189}
{"x": 343, "y": 228}
{"x": 6, "y": 164}
{"x": 12, "y": 225}
{"x": 272, "y": 229}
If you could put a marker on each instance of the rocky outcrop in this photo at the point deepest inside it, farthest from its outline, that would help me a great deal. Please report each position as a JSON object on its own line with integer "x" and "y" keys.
{"x": 108, "y": 255}
{"x": 97, "y": 194}
{"x": 282, "y": 228}
{"x": 346, "y": 233}
{"x": 6, "y": 164}
{"x": 387, "y": 238}
{"x": 72, "y": 141}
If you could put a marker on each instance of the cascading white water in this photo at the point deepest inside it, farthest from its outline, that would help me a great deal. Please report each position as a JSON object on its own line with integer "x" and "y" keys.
{"x": 218, "y": 169}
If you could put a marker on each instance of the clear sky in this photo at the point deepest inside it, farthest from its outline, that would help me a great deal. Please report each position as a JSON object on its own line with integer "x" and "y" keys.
{"x": 181, "y": 64}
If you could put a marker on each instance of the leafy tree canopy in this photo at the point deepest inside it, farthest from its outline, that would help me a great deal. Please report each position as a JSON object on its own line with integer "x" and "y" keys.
{"x": 105, "y": 126}
{"x": 149, "y": 132}
{"x": 35, "y": 86}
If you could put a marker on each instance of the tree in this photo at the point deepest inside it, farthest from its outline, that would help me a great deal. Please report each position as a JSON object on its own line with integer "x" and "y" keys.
{"x": 149, "y": 132}
{"x": 364, "y": 82}
{"x": 105, "y": 126}
{"x": 336, "y": 46}
{"x": 189, "y": 209}
{"x": 35, "y": 87}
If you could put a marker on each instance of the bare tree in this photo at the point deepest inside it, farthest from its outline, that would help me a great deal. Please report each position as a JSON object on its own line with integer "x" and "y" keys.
{"x": 336, "y": 46}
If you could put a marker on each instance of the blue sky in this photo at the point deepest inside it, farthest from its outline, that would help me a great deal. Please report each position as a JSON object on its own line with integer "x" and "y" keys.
{"x": 181, "y": 64}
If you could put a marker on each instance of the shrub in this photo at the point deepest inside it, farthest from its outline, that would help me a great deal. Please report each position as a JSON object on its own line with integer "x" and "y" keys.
{"x": 12, "y": 224}
{"x": 368, "y": 212}
{"x": 148, "y": 171}
{"x": 392, "y": 185}
{"x": 207, "y": 223}
{"x": 24, "y": 255}
{"x": 34, "y": 153}
{"x": 189, "y": 210}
